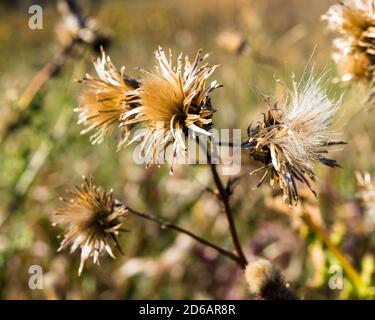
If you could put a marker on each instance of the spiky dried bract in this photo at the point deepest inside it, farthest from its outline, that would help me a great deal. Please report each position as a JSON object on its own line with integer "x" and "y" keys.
{"x": 174, "y": 100}
{"x": 93, "y": 221}
{"x": 354, "y": 52}
{"x": 266, "y": 282}
{"x": 366, "y": 197}
{"x": 106, "y": 99}
{"x": 294, "y": 136}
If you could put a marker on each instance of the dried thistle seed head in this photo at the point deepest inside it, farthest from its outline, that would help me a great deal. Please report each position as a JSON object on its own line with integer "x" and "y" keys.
{"x": 354, "y": 52}
{"x": 366, "y": 197}
{"x": 93, "y": 221}
{"x": 258, "y": 273}
{"x": 73, "y": 26}
{"x": 293, "y": 136}
{"x": 266, "y": 282}
{"x": 106, "y": 99}
{"x": 173, "y": 99}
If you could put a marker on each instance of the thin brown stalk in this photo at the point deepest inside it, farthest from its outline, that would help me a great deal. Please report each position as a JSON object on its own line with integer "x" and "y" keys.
{"x": 47, "y": 72}
{"x": 168, "y": 225}
{"x": 224, "y": 197}
{"x": 228, "y": 211}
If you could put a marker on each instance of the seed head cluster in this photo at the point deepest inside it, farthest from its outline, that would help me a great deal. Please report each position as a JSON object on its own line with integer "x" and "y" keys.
{"x": 168, "y": 103}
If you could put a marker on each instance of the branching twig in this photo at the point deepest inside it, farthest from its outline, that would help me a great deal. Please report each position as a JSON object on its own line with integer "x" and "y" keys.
{"x": 47, "y": 72}
{"x": 228, "y": 211}
{"x": 224, "y": 197}
{"x": 168, "y": 225}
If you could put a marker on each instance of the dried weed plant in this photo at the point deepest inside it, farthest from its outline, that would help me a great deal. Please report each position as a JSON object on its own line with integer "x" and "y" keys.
{"x": 173, "y": 101}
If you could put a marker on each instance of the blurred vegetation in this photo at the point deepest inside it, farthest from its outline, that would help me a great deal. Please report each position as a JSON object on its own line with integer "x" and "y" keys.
{"x": 43, "y": 154}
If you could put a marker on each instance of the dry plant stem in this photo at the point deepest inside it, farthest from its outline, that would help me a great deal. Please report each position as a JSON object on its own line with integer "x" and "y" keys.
{"x": 46, "y": 73}
{"x": 168, "y": 225}
{"x": 52, "y": 68}
{"x": 224, "y": 197}
{"x": 228, "y": 211}
{"x": 346, "y": 265}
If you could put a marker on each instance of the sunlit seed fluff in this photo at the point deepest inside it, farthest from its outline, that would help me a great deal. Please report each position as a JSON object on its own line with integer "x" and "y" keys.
{"x": 266, "y": 282}
{"x": 73, "y": 26}
{"x": 293, "y": 136}
{"x": 93, "y": 221}
{"x": 366, "y": 197}
{"x": 106, "y": 99}
{"x": 68, "y": 28}
{"x": 173, "y": 100}
{"x": 354, "y": 20}
{"x": 258, "y": 274}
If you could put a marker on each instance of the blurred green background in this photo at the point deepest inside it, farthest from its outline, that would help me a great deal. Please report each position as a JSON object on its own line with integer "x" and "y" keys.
{"x": 43, "y": 154}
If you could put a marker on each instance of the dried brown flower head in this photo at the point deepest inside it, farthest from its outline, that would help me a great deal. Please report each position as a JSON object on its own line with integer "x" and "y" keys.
{"x": 110, "y": 96}
{"x": 173, "y": 100}
{"x": 354, "y": 53}
{"x": 93, "y": 221}
{"x": 293, "y": 137}
{"x": 75, "y": 27}
{"x": 266, "y": 282}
